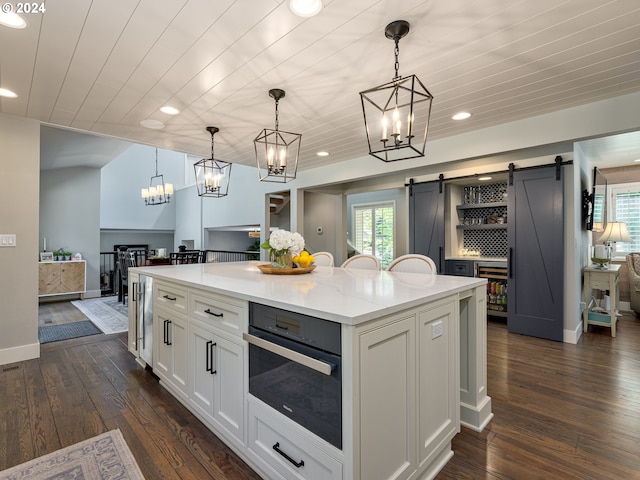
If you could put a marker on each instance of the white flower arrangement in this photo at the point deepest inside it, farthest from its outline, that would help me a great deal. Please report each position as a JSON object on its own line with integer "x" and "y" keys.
{"x": 282, "y": 242}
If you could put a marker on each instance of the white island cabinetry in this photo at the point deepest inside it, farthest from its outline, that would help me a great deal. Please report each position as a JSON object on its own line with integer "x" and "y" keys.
{"x": 217, "y": 367}
{"x": 407, "y": 354}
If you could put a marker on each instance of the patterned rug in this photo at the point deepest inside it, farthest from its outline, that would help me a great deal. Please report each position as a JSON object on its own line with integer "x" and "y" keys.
{"x": 105, "y": 457}
{"x": 64, "y": 331}
{"x": 106, "y": 313}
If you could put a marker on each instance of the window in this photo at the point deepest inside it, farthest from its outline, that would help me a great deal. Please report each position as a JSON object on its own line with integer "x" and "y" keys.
{"x": 625, "y": 206}
{"x": 373, "y": 230}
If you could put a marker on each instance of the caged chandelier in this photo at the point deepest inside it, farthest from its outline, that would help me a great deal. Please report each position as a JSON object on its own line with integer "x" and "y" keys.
{"x": 158, "y": 191}
{"x": 277, "y": 151}
{"x": 212, "y": 175}
{"x": 396, "y": 114}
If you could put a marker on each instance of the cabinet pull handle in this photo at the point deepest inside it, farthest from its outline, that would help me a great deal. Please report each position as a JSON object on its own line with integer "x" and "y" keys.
{"x": 171, "y": 299}
{"x": 299, "y": 464}
{"x": 208, "y": 361}
{"x": 213, "y": 313}
{"x": 212, "y": 371}
{"x": 167, "y": 341}
{"x": 510, "y": 275}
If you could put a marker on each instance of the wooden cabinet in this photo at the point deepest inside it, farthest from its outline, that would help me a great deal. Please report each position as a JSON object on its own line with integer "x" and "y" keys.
{"x": 170, "y": 353}
{"x": 408, "y": 365}
{"x": 216, "y": 388}
{"x": 59, "y": 278}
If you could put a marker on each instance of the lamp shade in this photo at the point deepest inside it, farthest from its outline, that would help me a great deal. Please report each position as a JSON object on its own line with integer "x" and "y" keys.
{"x": 615, "y": 232}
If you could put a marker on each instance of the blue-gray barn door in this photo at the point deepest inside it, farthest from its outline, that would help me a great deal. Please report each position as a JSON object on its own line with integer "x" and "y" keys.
{"x": 426, "y": 221}
{"x": 536, "y": 253}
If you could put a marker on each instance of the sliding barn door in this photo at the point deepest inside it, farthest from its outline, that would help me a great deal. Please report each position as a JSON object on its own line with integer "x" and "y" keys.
{"x": 426, "y": 221}
{"x": 536, "y": 253}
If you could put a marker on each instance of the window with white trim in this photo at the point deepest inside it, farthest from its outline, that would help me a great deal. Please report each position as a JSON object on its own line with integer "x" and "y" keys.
{"x": 373, "y": 230}
{"x": 625, "y": 207}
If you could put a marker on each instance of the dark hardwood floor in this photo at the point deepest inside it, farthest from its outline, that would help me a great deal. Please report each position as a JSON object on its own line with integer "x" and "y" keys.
{"x": 561, "y": 411}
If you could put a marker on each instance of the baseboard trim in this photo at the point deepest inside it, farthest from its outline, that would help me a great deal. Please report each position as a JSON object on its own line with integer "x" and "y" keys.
{"x": 19, "y": 354}
{"x": 572, "y": 336}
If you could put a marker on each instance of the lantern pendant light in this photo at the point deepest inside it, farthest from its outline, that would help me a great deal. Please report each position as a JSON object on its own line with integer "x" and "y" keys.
{"x": 277, "y": 151}
{"x": 212, "y": 175}
{"x": 396, "y": 114}
{"x": 158, "y": 192}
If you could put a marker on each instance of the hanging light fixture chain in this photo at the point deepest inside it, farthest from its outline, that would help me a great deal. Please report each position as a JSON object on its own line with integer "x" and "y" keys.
{"x": 277, "y": 114}
{"x": 396, "y": 52}
{"x": 156, "y": 162}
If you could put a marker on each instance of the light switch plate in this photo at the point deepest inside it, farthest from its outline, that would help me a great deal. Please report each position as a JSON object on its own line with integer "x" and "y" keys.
{"x": 7, "y": 240}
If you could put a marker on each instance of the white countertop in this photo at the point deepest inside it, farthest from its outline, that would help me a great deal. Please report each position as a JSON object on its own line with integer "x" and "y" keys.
{"x": 333, "y": 293}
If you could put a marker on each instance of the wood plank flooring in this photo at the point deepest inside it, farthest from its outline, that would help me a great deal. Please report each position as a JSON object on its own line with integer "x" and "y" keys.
{"x": 561, "y": 411}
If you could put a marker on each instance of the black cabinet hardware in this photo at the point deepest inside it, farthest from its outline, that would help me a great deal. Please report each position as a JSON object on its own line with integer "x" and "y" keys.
{"x": 213, "y": 313}
{"x": 299, "y": 464}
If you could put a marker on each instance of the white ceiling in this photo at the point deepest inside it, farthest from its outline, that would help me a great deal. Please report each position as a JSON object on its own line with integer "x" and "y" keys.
{"x": 102, "y": 66}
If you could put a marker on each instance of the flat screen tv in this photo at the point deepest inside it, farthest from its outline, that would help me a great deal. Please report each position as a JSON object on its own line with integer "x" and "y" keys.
{"x": 597, "y": 208}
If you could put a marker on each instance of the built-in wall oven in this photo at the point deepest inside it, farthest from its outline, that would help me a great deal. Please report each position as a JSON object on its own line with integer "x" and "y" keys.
{"x": 295, "y": 367}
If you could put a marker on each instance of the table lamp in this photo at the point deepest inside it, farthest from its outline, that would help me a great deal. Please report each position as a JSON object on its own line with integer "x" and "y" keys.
{"x": 613, "y": 232}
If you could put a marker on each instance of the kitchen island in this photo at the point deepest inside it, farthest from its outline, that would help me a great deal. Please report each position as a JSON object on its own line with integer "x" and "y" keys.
{"x": 413, "y": 364}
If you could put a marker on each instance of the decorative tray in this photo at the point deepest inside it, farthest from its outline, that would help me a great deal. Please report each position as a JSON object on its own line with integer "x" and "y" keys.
{"x": 267, "y": 268}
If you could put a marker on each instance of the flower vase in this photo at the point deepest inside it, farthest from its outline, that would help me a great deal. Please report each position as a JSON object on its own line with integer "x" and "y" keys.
{"x": 281, "y": 260}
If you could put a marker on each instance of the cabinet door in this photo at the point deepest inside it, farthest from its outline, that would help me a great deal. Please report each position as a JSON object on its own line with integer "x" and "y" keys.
{"x": 438, "y": 380}
{"x": 48, "y": 278}
{"x": 72, "y": 276}
{"x": 170, "y": 362}
{"x": 388, "y": 384}
{"x": 229, "y": 376}
{"x": 426, "y": 221}
{"x": 201, "y": 376}
{"x": 536, "y": 254}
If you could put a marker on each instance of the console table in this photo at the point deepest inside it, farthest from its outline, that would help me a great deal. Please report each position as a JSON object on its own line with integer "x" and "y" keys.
{"x": 600, "y": 279}
{"x": 61, "y": 278}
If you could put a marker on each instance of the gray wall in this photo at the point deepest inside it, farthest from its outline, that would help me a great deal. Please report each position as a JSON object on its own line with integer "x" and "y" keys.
{"x": 70, "y": 216}
{"x": 231, "y": 241}
{"x": 19, "y": 195}
{"x": 323, "y": 210}
{"x": 155, "y": 240}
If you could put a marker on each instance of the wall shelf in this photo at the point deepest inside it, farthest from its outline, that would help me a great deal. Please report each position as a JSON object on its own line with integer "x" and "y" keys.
{"x": 483, "y": 226}
{"x": 471, "y": 206}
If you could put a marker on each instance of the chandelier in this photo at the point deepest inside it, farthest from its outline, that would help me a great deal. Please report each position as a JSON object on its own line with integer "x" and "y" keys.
{"x": 158, "y": 192}
{"x": 277, "y": 151}
{"x": 396, "y": 114}
{"x": 212, "y": 175}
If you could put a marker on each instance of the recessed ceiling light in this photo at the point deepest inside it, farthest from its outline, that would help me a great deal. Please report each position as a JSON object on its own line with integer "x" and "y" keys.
{"x": 169, "y": 110}
{"x": 305, "y": 8}
{"x": 461, "y": 116}
{"x": 322, "y": 154}
{"x": 11, "y": 19}
{"x": 7, "y": 93}
{"x": 638, "y": 160}
{"x": 153, "y": 124}
{"x": 484, "y": 179}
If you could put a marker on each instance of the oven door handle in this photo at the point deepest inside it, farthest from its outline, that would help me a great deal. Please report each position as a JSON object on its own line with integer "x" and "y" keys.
{"x": 317, "y": 365}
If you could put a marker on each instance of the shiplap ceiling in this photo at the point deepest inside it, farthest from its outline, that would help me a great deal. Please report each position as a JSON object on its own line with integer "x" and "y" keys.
{"x": 102, "y": 66}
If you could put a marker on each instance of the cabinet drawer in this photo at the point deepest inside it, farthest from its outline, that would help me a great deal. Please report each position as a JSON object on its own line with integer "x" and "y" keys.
{"x": 461, "y": 268}
{"x": 170, "y": 297}
{"x": 273, "y": 442}
{"x": 223, "y": 312}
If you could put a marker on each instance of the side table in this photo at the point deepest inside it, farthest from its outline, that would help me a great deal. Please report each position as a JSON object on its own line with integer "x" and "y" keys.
{"x": 600, "y": 279}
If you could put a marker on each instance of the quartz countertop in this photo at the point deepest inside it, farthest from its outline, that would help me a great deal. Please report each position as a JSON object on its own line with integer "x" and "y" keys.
{"x": 343, "y": 295}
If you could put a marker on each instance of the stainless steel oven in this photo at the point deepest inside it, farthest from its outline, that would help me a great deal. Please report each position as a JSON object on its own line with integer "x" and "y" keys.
{"x": 295, "y": 367}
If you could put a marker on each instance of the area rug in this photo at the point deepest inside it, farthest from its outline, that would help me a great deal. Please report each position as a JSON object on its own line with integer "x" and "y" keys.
{"x": 65, "y": 331}
{"x": 105, "y": 457}
{"x": 106, "y": 313}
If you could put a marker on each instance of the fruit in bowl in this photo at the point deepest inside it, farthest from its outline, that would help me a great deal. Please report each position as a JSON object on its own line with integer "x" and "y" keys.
{"x": 304, "y": 259}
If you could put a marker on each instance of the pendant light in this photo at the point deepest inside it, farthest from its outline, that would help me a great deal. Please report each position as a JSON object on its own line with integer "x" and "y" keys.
{"x": 277, "y": 151}
{"x": 158, "y": 192}
{"x": 212, "y": 175}
{"x": 396, "y": 114}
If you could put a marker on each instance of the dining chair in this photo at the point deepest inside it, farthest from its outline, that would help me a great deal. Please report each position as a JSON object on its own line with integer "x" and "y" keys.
{"x": 323, "y": 259}
{"x": 126, "y": 259}
{"x": 413, "y": 263}
{"x": 363, "y": 261}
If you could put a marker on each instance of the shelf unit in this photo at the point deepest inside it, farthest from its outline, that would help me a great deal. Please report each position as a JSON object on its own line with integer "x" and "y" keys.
{"x": 496, "y": 289}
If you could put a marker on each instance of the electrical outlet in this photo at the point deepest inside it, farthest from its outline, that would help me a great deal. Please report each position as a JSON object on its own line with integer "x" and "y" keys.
{"x": 436, "y": 330}
{"x": 319, "y": 230}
